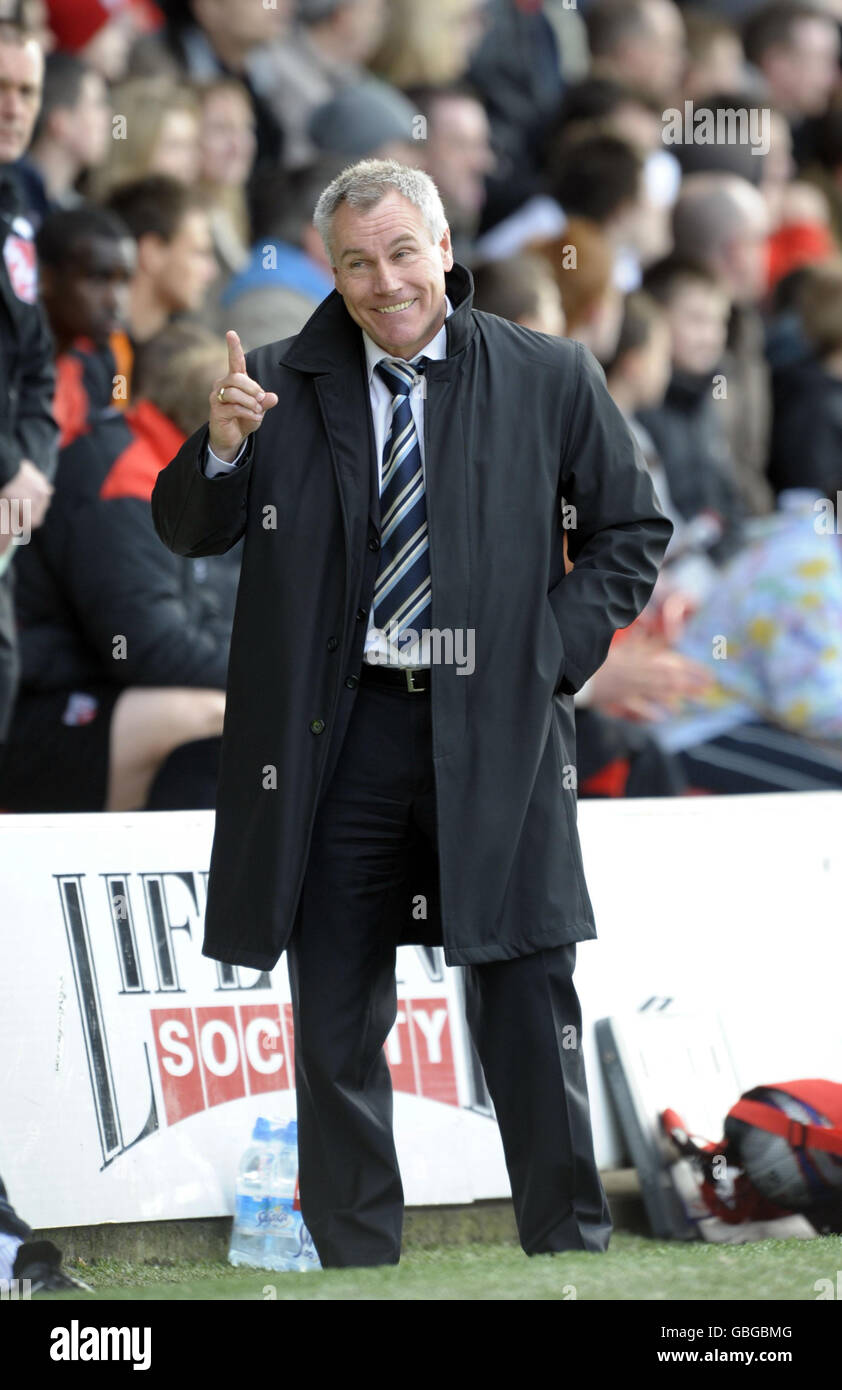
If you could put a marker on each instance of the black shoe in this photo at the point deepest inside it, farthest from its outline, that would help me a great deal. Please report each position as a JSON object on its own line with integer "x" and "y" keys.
{"x": 39, "y": 1261}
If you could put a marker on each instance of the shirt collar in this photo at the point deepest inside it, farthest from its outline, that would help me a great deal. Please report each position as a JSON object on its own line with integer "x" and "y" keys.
{"x": 436, "y": 348}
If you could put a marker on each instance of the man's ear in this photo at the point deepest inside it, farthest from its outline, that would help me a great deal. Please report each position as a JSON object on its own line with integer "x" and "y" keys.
{"x": 151, "y": 250}
{"x": 446, "y": 250}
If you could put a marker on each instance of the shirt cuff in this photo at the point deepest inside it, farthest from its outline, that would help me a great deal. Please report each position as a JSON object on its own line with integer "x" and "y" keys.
{"x": 584, "y": 695}
{"x": 214, "y": 465}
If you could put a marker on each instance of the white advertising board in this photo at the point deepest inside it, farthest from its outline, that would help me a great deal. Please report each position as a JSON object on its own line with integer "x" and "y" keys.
{"x": 133, "y": 1067}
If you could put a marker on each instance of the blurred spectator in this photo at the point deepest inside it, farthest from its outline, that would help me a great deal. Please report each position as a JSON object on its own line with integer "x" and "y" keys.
{"x": 71, "y": 135}
{"x": 327, "y": 50}
{"x": 639, "y": 42}
{"x": 638, "y": 376}
{"x": 687, "y": 428}
{"x": 523, "y": 290}
{"x": 722, "y": 222}
{"x": 175, "y": 260}
{"x": 590, "y": 109}
{"x": 607, "y": 106}
{"x": 429, "y": 45}
{"x": 639, "y": 372}
{"x": 28, "y": 436}
{"x": 582, "y": 261}
{"x": 733, "y": 729}
{"x": 715, "y": 58}
{"x": 825, "y": 168}
{"x": 124, "y": 648}
{"x": 87, "y": 259}
{"x": 601, "y": 177}
{"x": 802, "y": 236}
{"x": 206, "y": 39}
{"x": 288, "y": 273}
{"x": 100, "y": 32}
{"x": 795, "y": 47}
{"x": 456, "y": 152}
{"x": 156, "y": 131}
{"x": 516, "y": 69}
{"x": 367, "y": 120}
{"x": 807, "y": 425}
{"x": 34, "y": 18}
{"x": 227, "y": 148}
{"x": 740, "y": 151}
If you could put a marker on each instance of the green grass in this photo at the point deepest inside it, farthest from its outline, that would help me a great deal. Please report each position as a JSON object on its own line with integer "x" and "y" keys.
{"x": 634, "y": 1268}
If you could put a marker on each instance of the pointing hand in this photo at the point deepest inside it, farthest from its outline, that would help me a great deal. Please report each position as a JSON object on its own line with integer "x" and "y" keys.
{"x": 242, "y": 408}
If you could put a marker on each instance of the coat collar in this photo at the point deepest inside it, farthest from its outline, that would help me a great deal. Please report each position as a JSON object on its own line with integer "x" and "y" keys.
{"x": 330, "y": 338}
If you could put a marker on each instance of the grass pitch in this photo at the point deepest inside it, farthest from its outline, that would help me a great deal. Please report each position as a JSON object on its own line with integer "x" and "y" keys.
{"x": 634, "y": 1268}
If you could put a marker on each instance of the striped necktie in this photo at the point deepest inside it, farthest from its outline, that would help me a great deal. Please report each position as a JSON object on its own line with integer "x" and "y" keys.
{"x": 402, "y": 589}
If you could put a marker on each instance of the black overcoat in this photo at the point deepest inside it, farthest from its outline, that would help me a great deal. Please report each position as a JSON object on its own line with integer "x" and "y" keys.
{"x": 523, "y": 445}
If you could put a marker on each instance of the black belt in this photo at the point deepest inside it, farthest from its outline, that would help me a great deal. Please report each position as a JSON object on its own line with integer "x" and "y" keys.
{"x": 414, "y": 680}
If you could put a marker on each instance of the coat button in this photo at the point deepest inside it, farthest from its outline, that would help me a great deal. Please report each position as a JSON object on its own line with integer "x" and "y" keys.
{"x": 332, "y": 644}
{"x": 360, "y": 614}
{"x": 352, "y": 682}
{"x": 317, "y": 726}
{"x": 374, "y": 543}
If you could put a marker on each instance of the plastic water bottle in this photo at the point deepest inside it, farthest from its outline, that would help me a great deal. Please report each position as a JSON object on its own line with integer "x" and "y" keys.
{"x": 254, "y": 1181}
{"x": 289, "y": 1245}
{"x": 268, "y": 1231}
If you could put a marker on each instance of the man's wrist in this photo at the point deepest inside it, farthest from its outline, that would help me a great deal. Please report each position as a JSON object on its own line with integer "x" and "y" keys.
{"x": 223, "y": 455}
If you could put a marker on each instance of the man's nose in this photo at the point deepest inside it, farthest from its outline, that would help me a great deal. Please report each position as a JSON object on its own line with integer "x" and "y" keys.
{"x": 11, "y": 106}
{"x": 386, "y": 278}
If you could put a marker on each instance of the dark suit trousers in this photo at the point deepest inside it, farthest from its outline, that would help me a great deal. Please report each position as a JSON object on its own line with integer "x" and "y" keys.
{"x": 523, "y": 1014}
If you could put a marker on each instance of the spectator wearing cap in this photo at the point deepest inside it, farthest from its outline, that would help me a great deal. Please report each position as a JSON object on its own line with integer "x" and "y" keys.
{"x": 327, "y": 49}
{"x": 454, "y": 148}
{"x": 100, "y": 32}
{"x": 70, "y": 136}
{"x": 367, "y": 121}
{"x": 87, "y": 258}
{"x": 175, "y": 260}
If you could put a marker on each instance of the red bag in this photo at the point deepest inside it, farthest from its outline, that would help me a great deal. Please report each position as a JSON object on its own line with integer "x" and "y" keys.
{"x": 786, "y": 1139}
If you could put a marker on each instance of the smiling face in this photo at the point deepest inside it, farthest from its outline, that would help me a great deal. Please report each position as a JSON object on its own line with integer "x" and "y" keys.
{"x": 390, "y": 273}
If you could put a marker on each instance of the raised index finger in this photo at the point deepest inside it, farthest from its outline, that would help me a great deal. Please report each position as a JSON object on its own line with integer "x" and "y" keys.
{"x": 236, "y": 356}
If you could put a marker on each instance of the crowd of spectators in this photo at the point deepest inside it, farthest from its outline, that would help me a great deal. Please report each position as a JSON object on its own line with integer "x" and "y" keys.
{"x": 660, "y": 181}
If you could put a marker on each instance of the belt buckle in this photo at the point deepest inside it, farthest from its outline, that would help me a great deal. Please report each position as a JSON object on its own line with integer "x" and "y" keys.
{"x": 410, "y": 681}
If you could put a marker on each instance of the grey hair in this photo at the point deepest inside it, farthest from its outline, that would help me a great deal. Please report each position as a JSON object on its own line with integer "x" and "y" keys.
{"x": 362, "y": 185}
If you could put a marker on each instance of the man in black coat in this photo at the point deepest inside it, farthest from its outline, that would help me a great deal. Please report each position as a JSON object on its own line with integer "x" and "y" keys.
{"x": 398, "y": 756}
{"x": 28, "y": 433}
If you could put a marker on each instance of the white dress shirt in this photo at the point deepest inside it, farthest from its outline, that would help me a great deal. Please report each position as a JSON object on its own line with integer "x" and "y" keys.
{"x": 377, "y": 649}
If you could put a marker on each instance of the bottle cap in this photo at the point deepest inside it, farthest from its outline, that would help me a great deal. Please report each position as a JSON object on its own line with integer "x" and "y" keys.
{"x": 267, "y": 1130}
